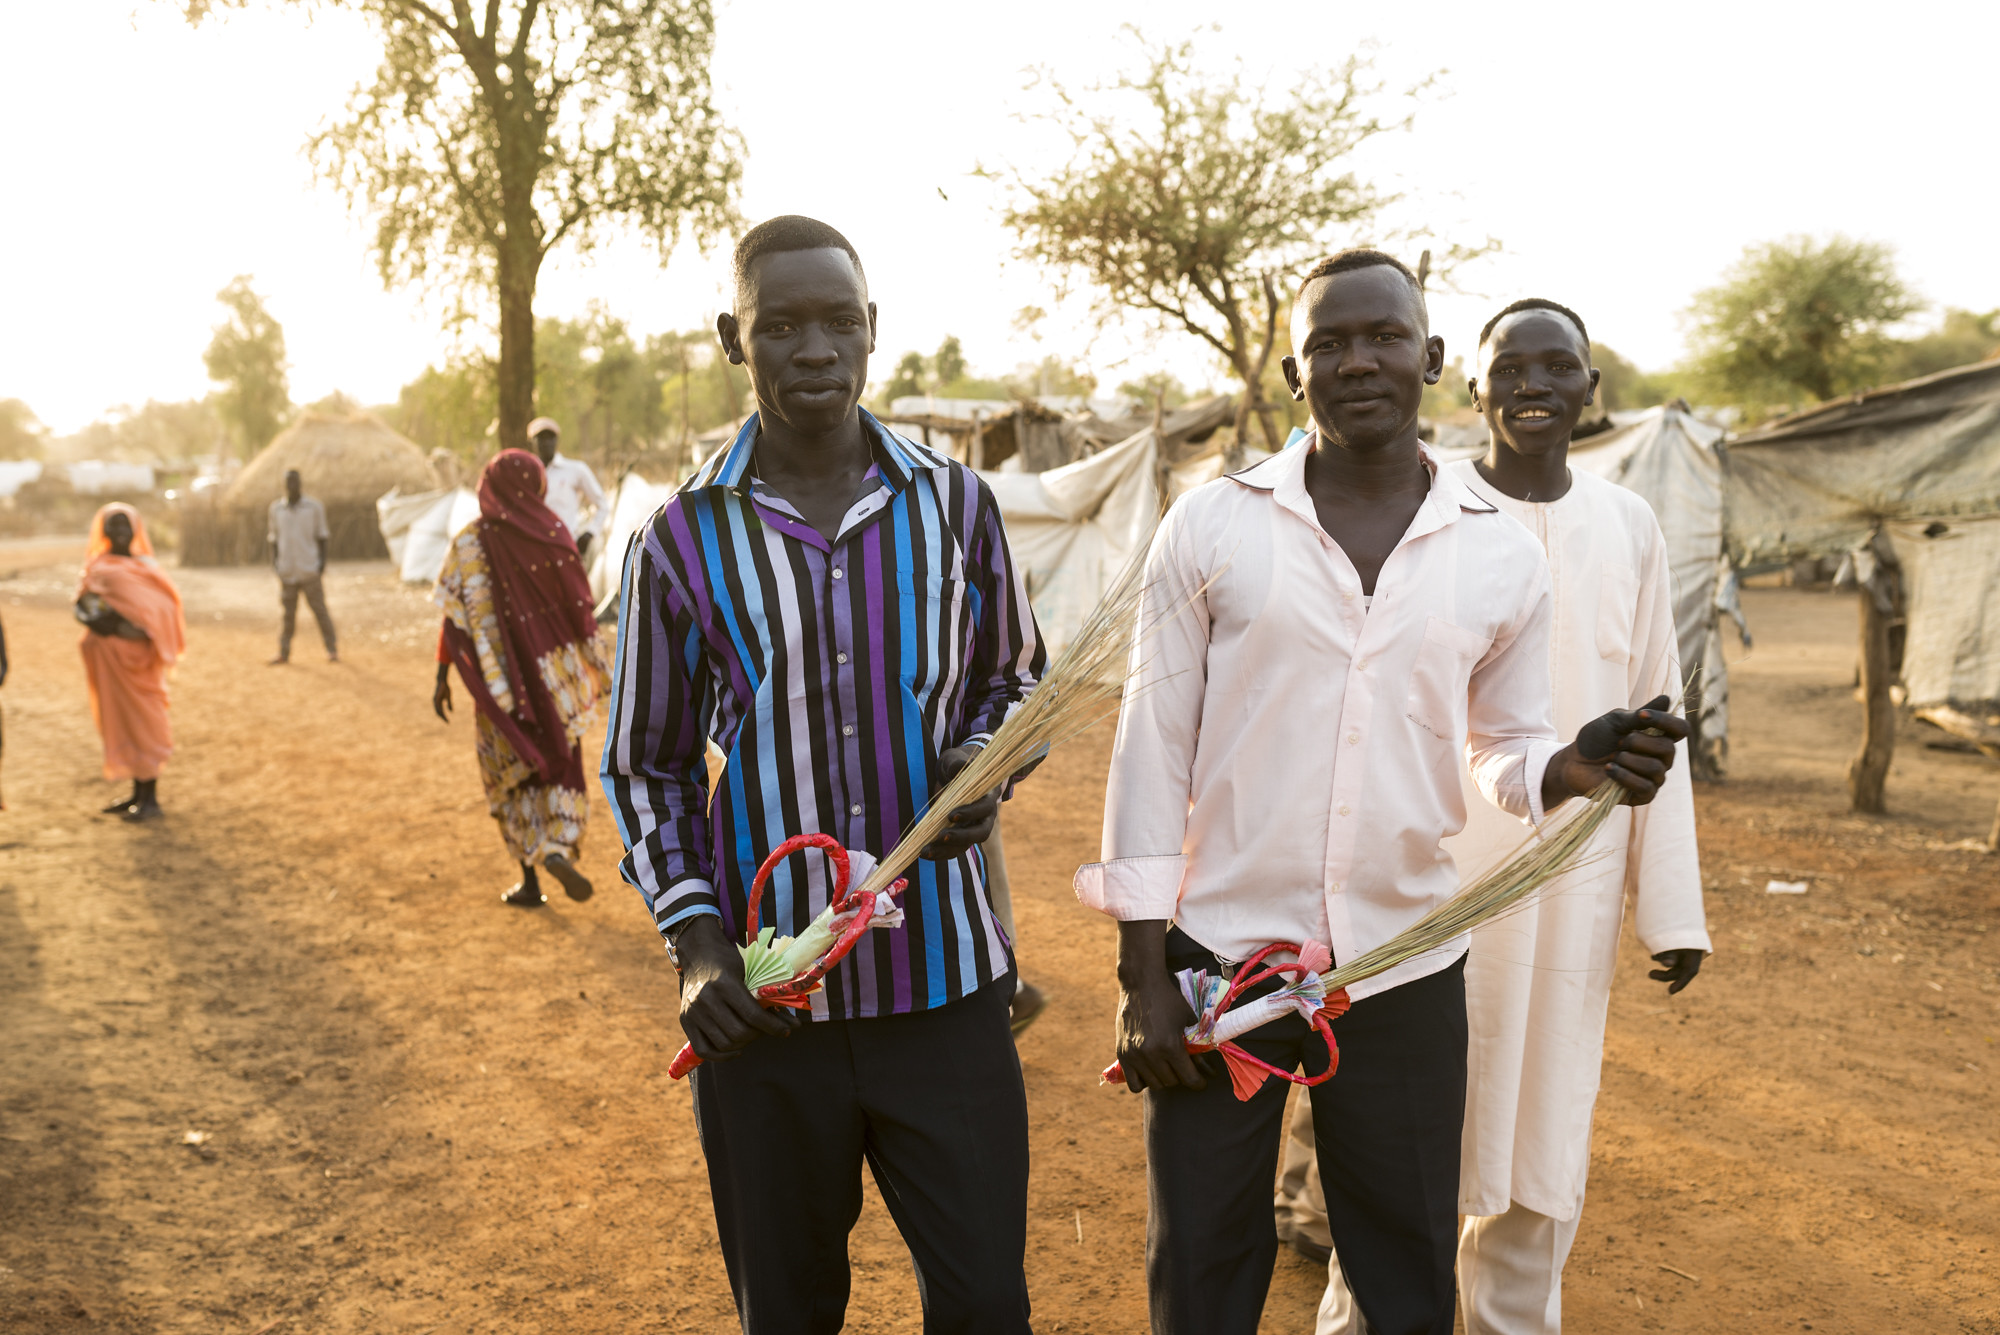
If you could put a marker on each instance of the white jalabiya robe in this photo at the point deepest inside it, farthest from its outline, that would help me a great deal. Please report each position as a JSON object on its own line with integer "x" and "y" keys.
{"x": 1538, "y": 981}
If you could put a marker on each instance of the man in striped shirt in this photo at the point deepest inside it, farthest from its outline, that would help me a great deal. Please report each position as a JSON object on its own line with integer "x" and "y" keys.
{"x": 836, "y": 606}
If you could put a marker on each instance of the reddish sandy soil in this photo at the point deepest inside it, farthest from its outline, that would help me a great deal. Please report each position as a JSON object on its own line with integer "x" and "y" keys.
{"x": 424, "y": 1112}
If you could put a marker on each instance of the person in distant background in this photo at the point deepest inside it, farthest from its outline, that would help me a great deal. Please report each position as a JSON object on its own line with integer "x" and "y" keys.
{"x": 298, "y": 538}
{"x": 519, "y": 623}
{"x": 572, "y": 486}
{"x": 136, "y": 631}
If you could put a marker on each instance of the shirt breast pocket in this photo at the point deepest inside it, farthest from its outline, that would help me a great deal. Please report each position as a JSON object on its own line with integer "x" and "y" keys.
{"x": 932, "y": 620}
{"x": 1617, "y": 609}
{"x": 1439, "y": 679}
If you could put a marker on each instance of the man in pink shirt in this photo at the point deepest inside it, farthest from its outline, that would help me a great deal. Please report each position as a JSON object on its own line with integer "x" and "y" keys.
{"x": 1336, "y": 627}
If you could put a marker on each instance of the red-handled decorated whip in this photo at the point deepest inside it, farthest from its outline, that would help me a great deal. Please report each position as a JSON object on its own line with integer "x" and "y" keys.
{"x": 786, "y": 971}
{"x": 1218, "y": 1020}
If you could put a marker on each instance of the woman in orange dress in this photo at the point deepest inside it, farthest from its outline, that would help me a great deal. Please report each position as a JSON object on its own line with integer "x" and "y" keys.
{"x": 135, "y": 633}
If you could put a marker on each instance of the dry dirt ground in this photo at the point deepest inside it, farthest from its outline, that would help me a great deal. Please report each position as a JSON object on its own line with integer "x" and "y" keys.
{"x": 419, "y": 1111}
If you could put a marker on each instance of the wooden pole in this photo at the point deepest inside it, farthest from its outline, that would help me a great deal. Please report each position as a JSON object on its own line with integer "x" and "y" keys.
{"x": 1869, "y": 770}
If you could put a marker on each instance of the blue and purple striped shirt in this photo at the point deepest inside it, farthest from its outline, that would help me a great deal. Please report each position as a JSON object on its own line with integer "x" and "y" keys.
{"x": 832, "y": 675}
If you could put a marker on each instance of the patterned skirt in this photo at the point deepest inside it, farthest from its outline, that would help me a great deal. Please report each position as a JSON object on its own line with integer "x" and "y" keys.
{"x": 537, "y": 819}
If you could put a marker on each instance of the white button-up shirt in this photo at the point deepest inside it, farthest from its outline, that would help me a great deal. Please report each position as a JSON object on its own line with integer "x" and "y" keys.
{"x": 572, "y": 487}
{"x": 1287, "y": 760}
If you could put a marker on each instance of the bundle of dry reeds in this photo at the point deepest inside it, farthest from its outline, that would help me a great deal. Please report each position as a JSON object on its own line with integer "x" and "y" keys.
{"x": 1080, "y": 689}
{"x": 1546, "y": 856}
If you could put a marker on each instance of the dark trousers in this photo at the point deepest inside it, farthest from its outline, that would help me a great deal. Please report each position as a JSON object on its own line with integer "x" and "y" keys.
{"x": 933, "y": 1102}
{"x": 315, "y": 599}
{"x": 1387, "y": 1126}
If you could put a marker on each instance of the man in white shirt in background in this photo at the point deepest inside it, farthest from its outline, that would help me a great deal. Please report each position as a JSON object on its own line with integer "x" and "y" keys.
{"x": 298, "y": 537}
{"x": 573, "y": 491}
{"x": 1335, "y": 628}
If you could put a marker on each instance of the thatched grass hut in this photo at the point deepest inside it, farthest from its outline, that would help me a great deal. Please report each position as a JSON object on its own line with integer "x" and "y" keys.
{"x": 346, "y": 461}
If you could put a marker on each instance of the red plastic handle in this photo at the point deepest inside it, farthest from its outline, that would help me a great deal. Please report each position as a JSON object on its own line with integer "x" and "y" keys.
{"x": 797, "y": 843}
{"x": 1248, "y": 976}
{"x": 792, "y": 991}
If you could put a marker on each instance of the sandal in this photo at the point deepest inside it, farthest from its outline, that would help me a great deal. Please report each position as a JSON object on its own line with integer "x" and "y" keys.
{"x": 574, "y": 883}
{"x": 521, "y": 897}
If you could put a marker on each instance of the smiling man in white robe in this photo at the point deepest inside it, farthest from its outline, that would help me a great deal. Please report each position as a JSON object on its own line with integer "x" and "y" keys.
{"x": 1538, "y": 982}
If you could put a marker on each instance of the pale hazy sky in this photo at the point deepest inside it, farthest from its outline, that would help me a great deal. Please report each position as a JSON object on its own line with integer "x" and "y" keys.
{"x": 1623, "y": 155}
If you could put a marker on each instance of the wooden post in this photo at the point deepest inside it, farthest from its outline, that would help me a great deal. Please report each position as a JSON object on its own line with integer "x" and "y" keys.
{"x": 1869, "y": 770}
{"x": 977, "y": 453}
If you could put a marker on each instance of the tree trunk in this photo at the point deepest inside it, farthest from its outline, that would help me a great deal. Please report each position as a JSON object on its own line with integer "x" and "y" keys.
{"x": 517, "y": 265}
{"x": 1993, "y": 835}
{"x": 1870, "y": 768}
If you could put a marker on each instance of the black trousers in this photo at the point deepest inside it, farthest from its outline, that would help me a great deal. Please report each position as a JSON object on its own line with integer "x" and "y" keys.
{"x": 288, "y": 595}
{"x": 1387, "y": 1125}
{"x": 934, "y": 1103}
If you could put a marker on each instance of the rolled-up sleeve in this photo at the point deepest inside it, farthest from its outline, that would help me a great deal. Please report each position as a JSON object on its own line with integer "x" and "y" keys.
{"x": 1152, "y": 760}
{"x": 1510, "y": 730}
{"x": 654, "y": 770}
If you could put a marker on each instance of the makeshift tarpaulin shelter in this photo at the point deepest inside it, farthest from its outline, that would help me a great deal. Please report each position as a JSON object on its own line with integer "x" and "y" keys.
{"x": 1904, "y": 476}
{"x": 346, "y": 462}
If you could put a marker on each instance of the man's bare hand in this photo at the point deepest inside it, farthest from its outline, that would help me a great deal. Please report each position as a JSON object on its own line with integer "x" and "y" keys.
{"x": 1678, "y": 968}
{"x": 970, "y": 824}
{"x": 1618, "y": 746}
{"x": 719, "y": 1015}
{"x": 1153, "y": 1016}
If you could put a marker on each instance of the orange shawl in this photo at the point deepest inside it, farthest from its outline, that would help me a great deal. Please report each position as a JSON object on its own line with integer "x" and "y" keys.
{"x": 128, "y": 678}
{"x": 136, "y": 588}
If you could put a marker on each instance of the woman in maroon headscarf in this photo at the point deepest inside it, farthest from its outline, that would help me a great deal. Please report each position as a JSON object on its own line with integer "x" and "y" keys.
{"x": 519, "y": 625}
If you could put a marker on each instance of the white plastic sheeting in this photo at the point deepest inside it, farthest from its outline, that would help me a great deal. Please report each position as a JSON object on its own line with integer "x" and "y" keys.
{"x": 18, "y": 473}
{"x": 419, "y": 527}
{"x": 632, "y": 502}
{"x": 1072, "y": 529}
{"x": 1951, "y": 573}
{"x": 98, "y": 477}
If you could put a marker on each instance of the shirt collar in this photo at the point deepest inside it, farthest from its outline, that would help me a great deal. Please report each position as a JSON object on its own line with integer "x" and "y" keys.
{"x": 898, "y": 457}
{"x": 1284, "y": 476}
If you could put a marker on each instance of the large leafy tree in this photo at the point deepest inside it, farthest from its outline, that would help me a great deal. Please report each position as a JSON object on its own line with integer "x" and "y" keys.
{"x": 1196, "y": 200}
{"x": 1798, "y": 321}
{"x": 247, "y": 358}
{"x": 494, "y": 132}
{"x": 22, "y": 435}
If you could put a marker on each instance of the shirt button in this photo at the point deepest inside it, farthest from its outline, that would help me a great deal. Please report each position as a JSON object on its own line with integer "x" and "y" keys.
{"x": 854, "y": 810}
{"x": 847, "y": 730}
{"x": 1335, "y": 887}
{"x": 1353, "y": 737}
{"x": 1343, "y": 809}
{"x": 1361, "y": 666}
{"x": 1347, "y": 597}
{"x": 836, "y": 572}
{"x": 840, "y": 658}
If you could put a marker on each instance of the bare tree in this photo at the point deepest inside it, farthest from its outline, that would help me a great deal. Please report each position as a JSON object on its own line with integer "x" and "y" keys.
{"x": 1196, "y": 200}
